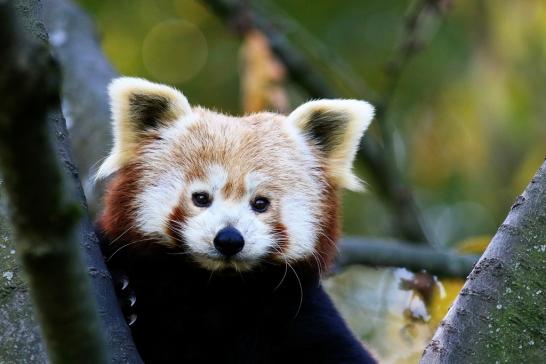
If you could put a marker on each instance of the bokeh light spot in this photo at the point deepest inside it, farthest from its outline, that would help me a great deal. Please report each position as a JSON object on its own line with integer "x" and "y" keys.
{"x": 174, "y": 51}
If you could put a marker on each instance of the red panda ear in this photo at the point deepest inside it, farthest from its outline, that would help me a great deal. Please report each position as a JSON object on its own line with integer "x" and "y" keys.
{"x": 139, "y": 107}
{"x": 335, "y": 127}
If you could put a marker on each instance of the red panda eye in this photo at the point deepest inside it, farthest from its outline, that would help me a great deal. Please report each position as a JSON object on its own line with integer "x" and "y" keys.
{"x": 201, "y": 199}
{"x": 260, "y": 204}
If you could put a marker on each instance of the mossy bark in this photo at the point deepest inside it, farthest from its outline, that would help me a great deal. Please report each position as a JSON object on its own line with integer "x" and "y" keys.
{"x": 500, "y": 314}
{"x": 20, "y": 340}
{"x": 44, "y": 217}
{"x": 46, "y": 209}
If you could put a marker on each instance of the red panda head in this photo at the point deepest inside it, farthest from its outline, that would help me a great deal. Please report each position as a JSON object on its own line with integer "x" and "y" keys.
{"x": 230, "y": 192}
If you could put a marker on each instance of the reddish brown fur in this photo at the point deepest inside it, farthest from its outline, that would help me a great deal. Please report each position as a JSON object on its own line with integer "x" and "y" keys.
{"x": 282, "y": 239}
{"x": 234, "y": 189}
{"x": 329, "y": 227}
{"x": 117, "y": 221}
{"x": 117, "y": 217}
{"x": 176, "y": 219}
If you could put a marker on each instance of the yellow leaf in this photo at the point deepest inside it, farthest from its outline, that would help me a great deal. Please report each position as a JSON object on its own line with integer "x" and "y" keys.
{"x": 262, "y": 76}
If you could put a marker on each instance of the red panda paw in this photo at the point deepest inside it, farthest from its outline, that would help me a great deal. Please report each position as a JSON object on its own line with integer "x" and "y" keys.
{"x": 125, "y": 295}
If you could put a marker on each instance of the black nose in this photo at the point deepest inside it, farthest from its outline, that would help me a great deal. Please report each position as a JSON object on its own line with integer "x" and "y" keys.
{"x": 229, "y": 241}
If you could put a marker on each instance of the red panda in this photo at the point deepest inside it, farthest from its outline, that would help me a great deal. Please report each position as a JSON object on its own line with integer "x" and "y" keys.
{"x": 223, "y": 226}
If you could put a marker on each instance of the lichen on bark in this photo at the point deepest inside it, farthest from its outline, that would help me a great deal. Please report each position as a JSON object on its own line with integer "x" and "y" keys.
{"x": 20, "y": 340}
{"x": 500, "y": 314}
{"x": 46, "y": 213}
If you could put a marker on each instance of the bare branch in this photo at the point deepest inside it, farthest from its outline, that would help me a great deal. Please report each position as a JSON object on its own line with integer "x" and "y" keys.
{"x": 422, "y": 21}
{"x": 46, "y": 205}
{"x": 45, "y": 219}
{"x": 86, "y": 74}
{"x": 393, "y": 253}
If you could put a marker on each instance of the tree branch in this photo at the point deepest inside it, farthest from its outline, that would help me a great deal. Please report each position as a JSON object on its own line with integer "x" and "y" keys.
{"x": 20, "y": 339}
{"x": 393, "y": 253}
{"x": 45, "y": 219}
{"x": 421, "y": 22}
{"x": 86, "y": 74}
{"x": 500, "y": 314}
{"x": 47, "y": 203}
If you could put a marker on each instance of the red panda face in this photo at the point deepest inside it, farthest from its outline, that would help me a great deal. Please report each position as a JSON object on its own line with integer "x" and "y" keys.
{"x": 230, "y": 192}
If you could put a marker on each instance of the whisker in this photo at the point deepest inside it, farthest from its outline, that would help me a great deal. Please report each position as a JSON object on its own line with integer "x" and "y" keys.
{"x": 301, "y": 289}
{"x": 210, "y": 277}
{"x": 95, "y": 165}
{"x": 330, "y": 240}
{"x": 285, "y": 268}
{"x": 319, "y": 267}
{"x": 126, "y": 245}
{"x": 179, "y": 253}
{"x": 123, "y": 233}
{"x": 240, "y": 273}
{"x": 283, "y": 277}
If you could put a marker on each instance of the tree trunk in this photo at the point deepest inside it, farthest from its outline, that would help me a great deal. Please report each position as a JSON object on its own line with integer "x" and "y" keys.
{"x": 500, "y": 314}
{"x": 20, "y": 341}
{"x": 19, "y": 337}
{"x": 44, "y": 219}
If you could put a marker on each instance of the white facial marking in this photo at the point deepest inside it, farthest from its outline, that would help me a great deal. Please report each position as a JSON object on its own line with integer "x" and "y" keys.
{"x": 216, "y": 179}
{"x": 179, "y": 128}
{"x": 200, "y": 230}
{"x": 295, "y": 135}
{"x": 158, "y": 200}
{"x": 298, "y": 218}
{"x": 253, "y": 180}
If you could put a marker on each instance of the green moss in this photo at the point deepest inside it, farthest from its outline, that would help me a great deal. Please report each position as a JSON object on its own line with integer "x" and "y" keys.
{"x": 516, "y": 331}
{"x": 20, "y": 340}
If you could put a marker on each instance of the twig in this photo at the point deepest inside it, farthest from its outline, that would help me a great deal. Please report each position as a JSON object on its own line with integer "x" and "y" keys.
{"x": 422, "y": 19}
{"x": 392, "y": 253}
{"x": 45, "y": 218}
{"x": 420, "y": 25}
{"x": 335, "y": 70}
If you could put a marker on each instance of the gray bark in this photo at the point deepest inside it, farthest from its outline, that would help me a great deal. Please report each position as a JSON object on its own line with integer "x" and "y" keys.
{"x": 85, "y": 75}
{"x": 392, "y": 253}
{"x": 44, "y": 225}
{"x": 44, "y": 220}
{"x": 20, "y": 340}
{"x": 500, "y": 314}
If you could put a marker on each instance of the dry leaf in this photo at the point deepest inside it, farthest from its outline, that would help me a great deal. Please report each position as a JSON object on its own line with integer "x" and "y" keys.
{"x": 262, "y": 76}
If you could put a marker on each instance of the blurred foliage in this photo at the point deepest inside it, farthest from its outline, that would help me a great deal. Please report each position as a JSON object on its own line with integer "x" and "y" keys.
{"x": 262, "y": 76}
{"x": 389, "y": 315}
{"x": 395, "y": 311}
{"x": 469, "y": 113}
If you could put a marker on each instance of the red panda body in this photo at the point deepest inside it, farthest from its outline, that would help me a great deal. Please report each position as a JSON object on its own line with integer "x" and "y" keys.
{"x": 223, "y": 226}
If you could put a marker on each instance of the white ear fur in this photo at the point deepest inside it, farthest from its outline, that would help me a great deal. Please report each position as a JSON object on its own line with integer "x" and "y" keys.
{"x": 138, "y": 106}
{"x": 335, "y": 127}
